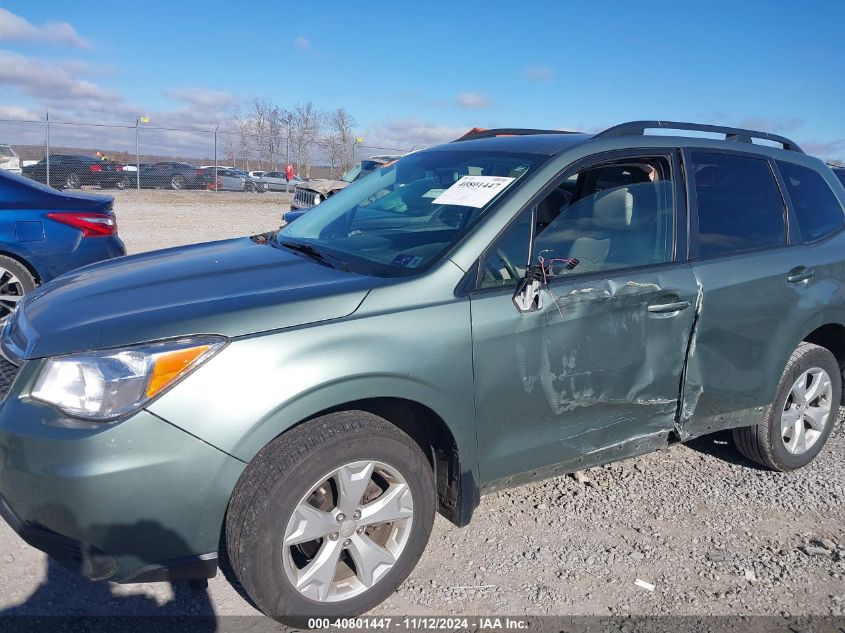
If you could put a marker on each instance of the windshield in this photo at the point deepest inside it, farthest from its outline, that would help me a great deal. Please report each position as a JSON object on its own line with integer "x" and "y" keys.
{"x": 402, "y": 218}
{"x": 352, "y": 174}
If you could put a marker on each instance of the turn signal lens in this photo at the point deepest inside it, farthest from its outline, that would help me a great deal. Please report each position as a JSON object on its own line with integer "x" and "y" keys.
{"x": 169, "y": 366}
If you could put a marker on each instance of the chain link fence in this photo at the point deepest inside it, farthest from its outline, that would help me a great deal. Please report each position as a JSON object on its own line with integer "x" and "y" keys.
{"x": 142, "y": 155}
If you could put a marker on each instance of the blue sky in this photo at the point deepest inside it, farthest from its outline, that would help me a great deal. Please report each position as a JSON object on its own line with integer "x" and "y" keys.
{"x": 416, "y": 72}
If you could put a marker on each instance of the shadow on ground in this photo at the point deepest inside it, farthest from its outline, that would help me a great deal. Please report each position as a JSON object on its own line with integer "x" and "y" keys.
{"x": 721, "y": 446}
{"x": 65, "y": 601}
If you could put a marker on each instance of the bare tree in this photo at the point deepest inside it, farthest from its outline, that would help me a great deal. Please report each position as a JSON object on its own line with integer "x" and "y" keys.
{"x": 243, "y": 128}
{"x": 338, "y": 140}
{"x": 306, "y": 124}
{"x": 259, "y": 118}
{"x": 342, "y": 125}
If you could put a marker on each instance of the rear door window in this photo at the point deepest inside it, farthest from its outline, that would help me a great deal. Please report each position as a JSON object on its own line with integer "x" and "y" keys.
{"x": 817, "y": 209}
{"x": 740, "y": 207}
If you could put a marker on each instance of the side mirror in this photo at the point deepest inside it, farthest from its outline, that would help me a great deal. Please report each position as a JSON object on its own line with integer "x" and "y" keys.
{"x": 528, "y": 297}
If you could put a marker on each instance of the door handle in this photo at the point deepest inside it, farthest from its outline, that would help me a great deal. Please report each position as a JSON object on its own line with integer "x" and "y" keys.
{"x": 669, "y": 307}
{"x": 800, "y": 274}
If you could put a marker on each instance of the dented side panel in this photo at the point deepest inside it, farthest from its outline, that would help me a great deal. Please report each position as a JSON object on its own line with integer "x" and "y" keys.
{"x": 750, "y": 319}
{"x": 593, "y": 372}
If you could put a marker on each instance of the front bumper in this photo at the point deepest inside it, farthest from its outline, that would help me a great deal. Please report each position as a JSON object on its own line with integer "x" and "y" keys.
{"x": 136, "y": 501}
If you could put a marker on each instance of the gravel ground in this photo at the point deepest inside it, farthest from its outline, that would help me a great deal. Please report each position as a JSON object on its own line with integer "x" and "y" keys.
{"x": 712, "y": 532}
{"x": 153, "y": 219}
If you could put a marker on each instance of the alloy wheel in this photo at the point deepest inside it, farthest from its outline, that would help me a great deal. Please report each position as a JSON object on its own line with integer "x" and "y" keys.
{"x": 177, "y": 181}
{"x": 348, "y": 531}
{"x": 806, "y": 411}
{"x": 73, "y": 181}
{"x": 11, "y": 292}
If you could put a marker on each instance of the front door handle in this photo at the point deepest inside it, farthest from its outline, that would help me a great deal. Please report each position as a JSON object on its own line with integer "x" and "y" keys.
{"x": 669, "y": 307}
{"x": 799, "y": 274}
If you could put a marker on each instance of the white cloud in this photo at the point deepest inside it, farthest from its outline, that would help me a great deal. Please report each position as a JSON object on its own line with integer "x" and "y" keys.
{"x": 202, "y": 99}
{"x": 776, "y": 124}
{"x": 302, "y": 43}
{"x": 473, "y": 100}
{"x": 402, "y": 134}
{"x": 53, "y": 83}
{"x": 20, "y": 113}
{"x": 539, "y": 73}
{"x": 17, "y": 28}
{"x": 833, "y": 151}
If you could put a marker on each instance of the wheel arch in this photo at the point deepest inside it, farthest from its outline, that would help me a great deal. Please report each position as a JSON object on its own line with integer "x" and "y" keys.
{"x": 454, "y": 473}
{"x": 831, "y": 336}
{"x": 23, "y": 261}
{"x": 457, "y": 489}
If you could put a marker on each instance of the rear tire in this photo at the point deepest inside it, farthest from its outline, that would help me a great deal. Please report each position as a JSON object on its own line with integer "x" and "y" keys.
{"x": 797, "y": 424}
{"x": 177, "y": 181}
{"x": 73, "y": 181}
{"x": 300, "y": 486}
{"x": 15, "y": 282}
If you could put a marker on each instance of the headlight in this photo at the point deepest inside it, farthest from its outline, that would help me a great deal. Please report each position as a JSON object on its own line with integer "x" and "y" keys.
{"x": 318, "y": 199}
{"x": 107, "y": 384}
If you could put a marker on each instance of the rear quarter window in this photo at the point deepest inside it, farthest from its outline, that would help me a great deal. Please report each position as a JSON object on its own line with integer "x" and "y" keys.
{"x": 740, "y": 207}
{"x": 817, "y": 208}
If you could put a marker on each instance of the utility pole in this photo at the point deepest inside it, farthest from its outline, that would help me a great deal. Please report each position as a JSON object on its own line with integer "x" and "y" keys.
{"x": 216, "y": 188}
{"x": 47, "y": 121}
{"x": 138, "y": 153}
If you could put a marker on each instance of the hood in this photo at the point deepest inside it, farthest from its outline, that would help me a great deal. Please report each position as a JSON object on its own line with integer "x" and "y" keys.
{"x": 323, "y": 186}
{"x": 18, "y": 192}
{"x": 234, "y": 287}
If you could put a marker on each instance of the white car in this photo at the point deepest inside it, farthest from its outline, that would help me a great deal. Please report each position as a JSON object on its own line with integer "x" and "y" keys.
{"x": 9, "y": 160}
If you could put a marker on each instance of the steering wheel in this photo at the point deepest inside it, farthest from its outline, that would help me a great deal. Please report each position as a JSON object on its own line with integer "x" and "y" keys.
{"x": 492, "y": 275}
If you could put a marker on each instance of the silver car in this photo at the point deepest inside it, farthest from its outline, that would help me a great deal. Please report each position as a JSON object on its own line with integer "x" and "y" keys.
{"x": 276, "y": 181}
{"x": 236, "y": 180}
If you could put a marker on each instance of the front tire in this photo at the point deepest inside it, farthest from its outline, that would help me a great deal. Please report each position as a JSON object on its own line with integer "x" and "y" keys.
{"x": 177, "y": 181}
{"x": 330, "y": 517}
{"x": 797, "y": 424}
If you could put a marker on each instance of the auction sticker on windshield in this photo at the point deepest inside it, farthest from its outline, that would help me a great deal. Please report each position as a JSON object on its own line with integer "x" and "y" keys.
{"x": 473, "y": 191}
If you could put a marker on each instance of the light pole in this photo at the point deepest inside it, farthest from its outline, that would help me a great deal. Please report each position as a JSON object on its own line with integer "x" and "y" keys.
{"x": 216, "y": 188}
{"x": 47, "y": 121}
{"x": 138, "y": 121}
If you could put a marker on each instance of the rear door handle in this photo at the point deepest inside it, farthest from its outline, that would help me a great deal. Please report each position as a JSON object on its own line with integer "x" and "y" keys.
{"x": 800, "y": 274}
{"x": 669, "y": 307}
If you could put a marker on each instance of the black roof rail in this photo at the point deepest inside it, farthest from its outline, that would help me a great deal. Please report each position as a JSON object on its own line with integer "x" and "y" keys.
{"x": 638, "y": 128}
{"x": 477, "y": 132}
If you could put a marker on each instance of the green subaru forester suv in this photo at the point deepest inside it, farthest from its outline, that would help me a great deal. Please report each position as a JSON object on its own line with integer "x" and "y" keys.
{"x": 510, "y": 306}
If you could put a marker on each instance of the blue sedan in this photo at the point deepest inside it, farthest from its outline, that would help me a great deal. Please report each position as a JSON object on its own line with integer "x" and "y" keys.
{"x": 45, "y": 233}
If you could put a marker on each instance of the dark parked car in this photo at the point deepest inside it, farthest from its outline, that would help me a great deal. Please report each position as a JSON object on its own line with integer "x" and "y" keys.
{"x": 840, "y": 173}
{"x": 44, "y": 233}
{"x": 475, "y": 316}
{"x": 174, "y": 175}
{"x": 71, "y": 171}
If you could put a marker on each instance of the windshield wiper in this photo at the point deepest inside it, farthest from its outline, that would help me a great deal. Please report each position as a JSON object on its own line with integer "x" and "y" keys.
{"x": 315, "y": 254}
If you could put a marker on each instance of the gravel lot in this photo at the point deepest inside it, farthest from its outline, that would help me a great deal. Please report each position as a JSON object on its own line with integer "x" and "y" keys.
{"x": 715, "y": 534}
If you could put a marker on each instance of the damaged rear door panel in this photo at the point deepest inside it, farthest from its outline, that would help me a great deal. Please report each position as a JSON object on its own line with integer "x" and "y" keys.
{"x": 750, "y": 316}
